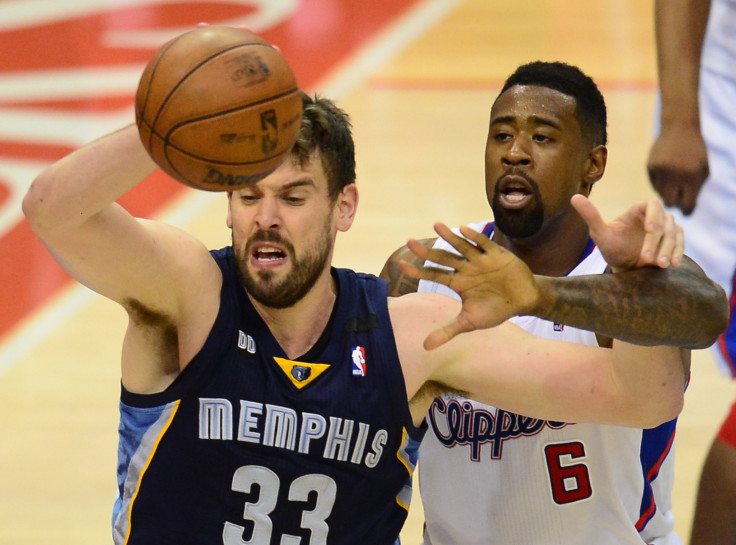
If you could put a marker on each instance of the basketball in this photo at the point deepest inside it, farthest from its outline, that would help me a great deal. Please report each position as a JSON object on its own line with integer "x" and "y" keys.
{"x": 218, "y": 108}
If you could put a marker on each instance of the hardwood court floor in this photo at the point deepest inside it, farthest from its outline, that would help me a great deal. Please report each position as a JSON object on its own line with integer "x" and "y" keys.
{"x": 419, "y": 96}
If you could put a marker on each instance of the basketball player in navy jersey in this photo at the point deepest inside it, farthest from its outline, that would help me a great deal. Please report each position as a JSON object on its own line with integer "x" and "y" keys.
{"x": 484, "y": 468}
{"x": 270, "y": 398}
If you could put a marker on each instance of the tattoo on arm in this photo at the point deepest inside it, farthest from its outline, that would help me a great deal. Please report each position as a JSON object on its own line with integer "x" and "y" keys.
{"x": 647, "y": 306}
{"x": 398, "y": 283}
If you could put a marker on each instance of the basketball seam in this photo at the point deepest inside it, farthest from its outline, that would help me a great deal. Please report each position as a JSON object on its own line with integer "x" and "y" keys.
{"x": 189, "y": 74}
{"x": 224, "y": 112}
{"x": 167, "y": 144}
{"x": 148, "y": 90}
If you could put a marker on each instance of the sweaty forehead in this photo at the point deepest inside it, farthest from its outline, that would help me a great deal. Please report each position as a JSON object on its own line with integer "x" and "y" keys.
{"x": 529, "y": 102}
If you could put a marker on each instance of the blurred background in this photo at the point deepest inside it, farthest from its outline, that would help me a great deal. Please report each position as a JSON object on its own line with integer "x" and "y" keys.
{"x": 417, "y": 77}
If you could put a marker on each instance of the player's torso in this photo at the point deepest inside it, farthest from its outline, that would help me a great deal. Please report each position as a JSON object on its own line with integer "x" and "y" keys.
{"x": 488, "y": 476}
{"x": 254, "y": 448}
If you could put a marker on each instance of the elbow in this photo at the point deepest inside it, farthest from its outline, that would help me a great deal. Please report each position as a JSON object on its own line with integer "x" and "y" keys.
{"x": 658, "y": 409}
{"x": 713, "y": 317}
{"x": 721, "y": 312}
{"x": 668, "y": 410}
{"x": 36, "y": 204}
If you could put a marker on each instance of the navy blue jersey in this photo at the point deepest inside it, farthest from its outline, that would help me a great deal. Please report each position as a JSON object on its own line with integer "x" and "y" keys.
{"x": 247, "y": 446}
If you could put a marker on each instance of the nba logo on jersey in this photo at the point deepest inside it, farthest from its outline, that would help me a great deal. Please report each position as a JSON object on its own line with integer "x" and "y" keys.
{"x": 358, "y": 361}
{"x": 558, "y": 327}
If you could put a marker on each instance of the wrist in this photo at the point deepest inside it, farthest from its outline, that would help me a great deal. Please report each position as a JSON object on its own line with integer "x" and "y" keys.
{"x": 543, "y": 298}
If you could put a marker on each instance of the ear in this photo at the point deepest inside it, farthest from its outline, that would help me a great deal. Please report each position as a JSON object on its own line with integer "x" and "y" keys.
{"x": 346, "y": 206}
{"x": 594, "y": 167}
{"x": 229, "y": 219}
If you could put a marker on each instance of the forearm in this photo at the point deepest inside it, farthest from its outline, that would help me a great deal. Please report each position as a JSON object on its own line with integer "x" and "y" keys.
{"x": 647, "y": 306}
{"x": 80, "y": 185}
{"x": 680, "y": 28}
{"x": 650, "y": 381}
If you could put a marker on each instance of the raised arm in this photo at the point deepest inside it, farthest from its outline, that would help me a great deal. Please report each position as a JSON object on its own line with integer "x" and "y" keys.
{"x": 641, "y": 304}
{"x": 154, "y": 270}
{"x": 678, "y": 161}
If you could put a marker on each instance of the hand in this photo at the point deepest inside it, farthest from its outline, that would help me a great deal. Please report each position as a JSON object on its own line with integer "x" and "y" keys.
{"x": 678, "y": 167}
{"x": 644, "y": 235}
{"x": 493, "y": 283}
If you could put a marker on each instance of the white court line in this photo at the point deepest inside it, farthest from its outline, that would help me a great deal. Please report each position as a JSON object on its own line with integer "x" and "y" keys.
{"x": 345, "y": 78}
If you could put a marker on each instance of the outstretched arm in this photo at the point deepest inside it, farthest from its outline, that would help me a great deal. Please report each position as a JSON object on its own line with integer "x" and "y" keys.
{"x": 678, "y": 160}
{"x": 646, "y": 306}
{"x": 508, "y": 367}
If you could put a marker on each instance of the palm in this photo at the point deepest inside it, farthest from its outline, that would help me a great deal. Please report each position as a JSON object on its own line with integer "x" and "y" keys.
{"x": 492, "y": 282}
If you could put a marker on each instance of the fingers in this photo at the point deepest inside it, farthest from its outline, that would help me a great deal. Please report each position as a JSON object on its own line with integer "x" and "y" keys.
{"x": 663, "y": 242}
{"x": 441, "y": 257}
{"x": 678, "y": 187}
{"x": 589, "y": 213}
{"x": 461, "y": 244}
{"x": 433, "y": 274}
{"x": 444, "y": 264}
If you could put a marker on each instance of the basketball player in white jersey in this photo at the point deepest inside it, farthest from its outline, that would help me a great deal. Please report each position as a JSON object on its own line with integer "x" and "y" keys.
{"x": 489, "y": 476}
{"x": 691, "y": 165}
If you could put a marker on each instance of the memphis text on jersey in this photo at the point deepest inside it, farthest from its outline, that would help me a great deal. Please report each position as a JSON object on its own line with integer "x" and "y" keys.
{"x": 279, "y": 427}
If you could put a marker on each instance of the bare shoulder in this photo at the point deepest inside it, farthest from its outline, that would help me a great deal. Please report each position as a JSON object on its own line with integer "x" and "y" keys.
{"x": 398, "y": 282}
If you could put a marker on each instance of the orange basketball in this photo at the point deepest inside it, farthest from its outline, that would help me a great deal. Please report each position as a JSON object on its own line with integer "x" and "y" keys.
{"x": 218, "y": 108}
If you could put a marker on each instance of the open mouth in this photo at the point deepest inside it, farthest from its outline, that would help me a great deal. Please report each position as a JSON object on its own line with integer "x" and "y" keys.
{"x": 514, "y": 191}
{"x": 267, "y": 254}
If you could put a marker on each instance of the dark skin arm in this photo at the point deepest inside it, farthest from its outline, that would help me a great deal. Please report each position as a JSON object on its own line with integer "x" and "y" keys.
{"x": 399, "y": 283}
{"x": 675, "y": 306}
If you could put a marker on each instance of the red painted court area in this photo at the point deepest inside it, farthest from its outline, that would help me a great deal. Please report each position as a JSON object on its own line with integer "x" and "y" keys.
{"x": 72, "y": 69}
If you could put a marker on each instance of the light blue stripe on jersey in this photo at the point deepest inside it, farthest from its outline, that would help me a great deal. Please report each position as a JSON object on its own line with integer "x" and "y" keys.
{"x": 408, "y": 454}
{"x": 140, "y": 431}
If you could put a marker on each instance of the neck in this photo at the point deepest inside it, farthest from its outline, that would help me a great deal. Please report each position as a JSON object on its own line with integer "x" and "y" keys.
{"x": 551, "y": 252}
{"x": 298, "y": 327}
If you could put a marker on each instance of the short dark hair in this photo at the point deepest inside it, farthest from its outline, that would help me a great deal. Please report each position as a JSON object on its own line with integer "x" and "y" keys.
{"x": 569, "y": 80}
{"x": 327, "y": 128}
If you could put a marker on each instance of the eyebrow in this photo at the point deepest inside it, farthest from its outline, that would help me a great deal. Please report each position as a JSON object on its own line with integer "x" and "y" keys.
{"x": 538, "y": 120}
{"x": 298, "y": 183}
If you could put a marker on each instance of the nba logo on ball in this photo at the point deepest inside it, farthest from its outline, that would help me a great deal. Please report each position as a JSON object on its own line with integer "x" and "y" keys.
{"x": 359, "y": 361}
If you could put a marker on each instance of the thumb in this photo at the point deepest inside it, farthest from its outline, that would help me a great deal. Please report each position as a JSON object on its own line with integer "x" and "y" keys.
{"x": 588, "y": 212}
{"x": 443, "y": 334}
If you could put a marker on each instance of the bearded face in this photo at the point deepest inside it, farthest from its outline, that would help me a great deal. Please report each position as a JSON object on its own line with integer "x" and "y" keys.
{"x": 264, "y": 285}
{"x": 518, "y": 222}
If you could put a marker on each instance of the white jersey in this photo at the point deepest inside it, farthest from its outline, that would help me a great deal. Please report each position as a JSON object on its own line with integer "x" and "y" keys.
{"x": 489, "y": 477}
{"x": 719, "y": 45}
